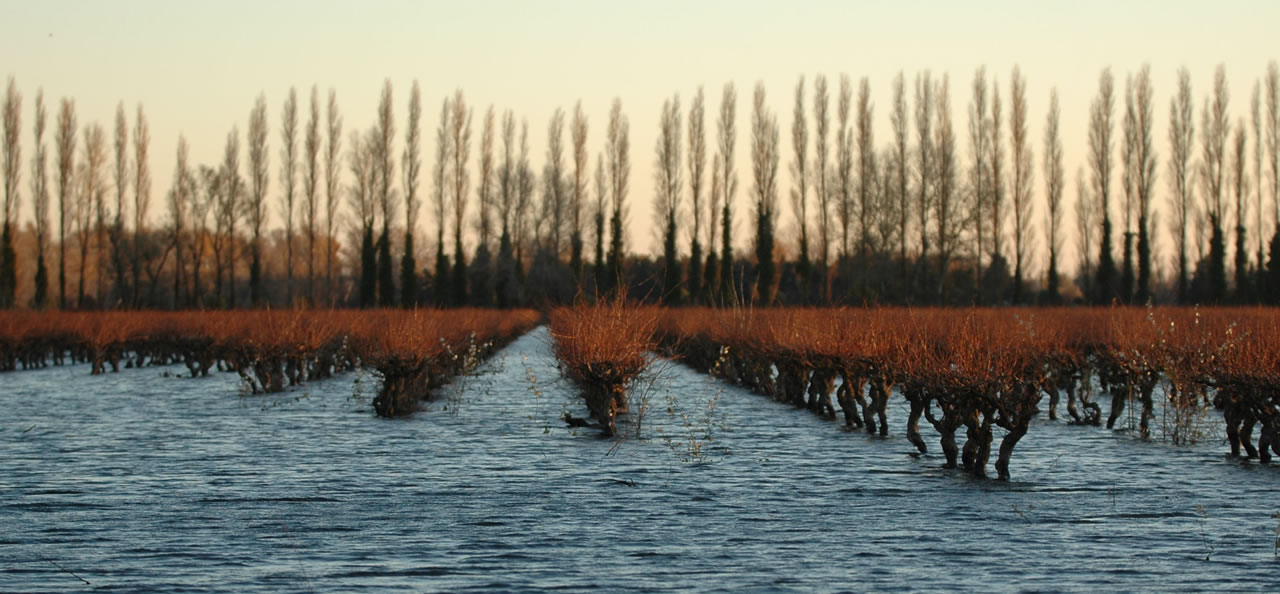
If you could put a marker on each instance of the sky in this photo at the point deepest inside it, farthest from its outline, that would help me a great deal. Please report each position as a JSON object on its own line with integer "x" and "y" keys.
{"x": 197, "y": 67}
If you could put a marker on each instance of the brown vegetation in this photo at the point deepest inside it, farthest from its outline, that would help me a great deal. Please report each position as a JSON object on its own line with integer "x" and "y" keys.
{"x": 971, "y": 369}
{"x": 413, "y": 350}
{"x": 978, "y": 369}
{"x": 603, "y": 348}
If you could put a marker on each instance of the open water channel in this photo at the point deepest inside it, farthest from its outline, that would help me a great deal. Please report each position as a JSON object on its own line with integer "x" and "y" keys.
{"x": 141, "y": 480}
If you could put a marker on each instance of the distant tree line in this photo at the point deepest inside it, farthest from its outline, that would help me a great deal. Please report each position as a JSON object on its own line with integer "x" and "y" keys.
{"x": 909, "y": 221}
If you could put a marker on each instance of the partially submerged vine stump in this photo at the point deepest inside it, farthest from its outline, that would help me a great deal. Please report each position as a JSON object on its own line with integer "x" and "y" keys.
{"x": 413, "y": 351}
{"x": 416, "y": 352}
{"x": 604, "y": 348}
{"x": 975, "y": 369}
{"x": 974, "y": 372}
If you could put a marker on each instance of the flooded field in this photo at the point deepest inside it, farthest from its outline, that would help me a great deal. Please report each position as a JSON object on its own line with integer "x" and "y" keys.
{"x": 146, "y": 480}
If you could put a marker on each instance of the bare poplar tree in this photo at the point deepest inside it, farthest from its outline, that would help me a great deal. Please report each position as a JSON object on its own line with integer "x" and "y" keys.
{"x": 948, "y": 202}
{"x": 178, "y": 205}
{"x": 1240, "y": 184}
{"x": 822, "y": 190}
{"x": 1020, "y": 186}
{"x": 92, "y": 191}
{"x": 40, "y": 202}
{"x": 411, "y": 166}
{"x": 525, "y": 182}
{"x": 384, "y": 168}
{"x": 333, "y": 189}
{"x": 885, "y": 204}
{"x": 121, "y": 175}
{"x": 925, "y": 98}
{"x": 697, "y": 170}
{"x": 486, "y": 190}
{"x": 800, "y": 174}
{"x": 461, "y": 121}
{"x": 364, "y": 204}
{"x": 257, "y": 205}
{"x": 66, "y": 147}
{"x": 844, "y": 165}
{"x": 483, "y": 286}
{"x": 1145, "y": 156}
{"x": 1273, "y": 162}
{"x": 202, "y": 201}
{"x": 979, "y": 142}
{"x": 102, "y": 232}
{"x": 765, "y": 154}
{"x": 141, "y": 196}
{"x": 726, "y": 127}
{"x": 1181, "y": 137}
{"x": 1086, "y": 224}
{"x": 577, "y": 197}
{"x": 12, "y": 175}
{"x": 668, "y": 183}
{"x": 311, "y": 189}
{"x": 553, "y": 174}
{"x": 1054, "y": 184}
{"x": 545, "y": 225}
{"x": 440, "y": 199}
{"x": 93, "y": 233}
{"x": 867, "y": 180}
{"x": 711, "y": 275}
{"x": 996, "y": 207}
{"x": 1258, "y": 149}
{"x": 1100, "y": 163}
{"x": 1215, "y": 128}
{"x": 289, "y": 180}
{"x": 901, "y": 123}
{"x": 601, "y": 207}
{"x": 231, "y": 208}
{"x": 1129, "y": 182}
{"x": 505, "y": 285}
{"x": 618, "y": 158}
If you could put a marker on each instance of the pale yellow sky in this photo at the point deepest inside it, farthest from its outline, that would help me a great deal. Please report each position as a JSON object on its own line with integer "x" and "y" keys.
{"x": 197, "y": 67}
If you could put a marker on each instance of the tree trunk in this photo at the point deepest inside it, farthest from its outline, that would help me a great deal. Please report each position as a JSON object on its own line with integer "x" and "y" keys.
{"x": 1006, "y": 450}
{"x": 913, "y": 420}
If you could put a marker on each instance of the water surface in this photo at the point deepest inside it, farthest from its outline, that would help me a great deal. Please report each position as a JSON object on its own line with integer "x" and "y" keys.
{"x": 142, "y": 480}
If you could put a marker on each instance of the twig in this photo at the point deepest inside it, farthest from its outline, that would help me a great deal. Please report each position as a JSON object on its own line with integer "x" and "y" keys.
{"x": 1275, "y": 552}
{"x": 616, "y": 444}
{"x": 1204, "y": 535}
{"x": 298, "y": 557}
{"x": 67, "y": 571}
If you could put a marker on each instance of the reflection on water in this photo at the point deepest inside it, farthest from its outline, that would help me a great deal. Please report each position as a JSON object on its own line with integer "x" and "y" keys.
{"x": 136, "y": 481}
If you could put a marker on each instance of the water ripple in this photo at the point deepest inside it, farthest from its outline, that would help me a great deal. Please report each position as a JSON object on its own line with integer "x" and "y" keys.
{"x": 139, "y": 481}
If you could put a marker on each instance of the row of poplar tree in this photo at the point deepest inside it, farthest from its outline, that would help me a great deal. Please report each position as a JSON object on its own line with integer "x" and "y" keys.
{"x": 911, "y": 221}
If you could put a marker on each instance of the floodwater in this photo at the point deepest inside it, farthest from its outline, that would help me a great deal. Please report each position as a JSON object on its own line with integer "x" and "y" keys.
{"x": 144, "y": 481}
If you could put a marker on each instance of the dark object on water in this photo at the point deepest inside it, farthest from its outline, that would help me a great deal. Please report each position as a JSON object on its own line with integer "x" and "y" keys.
{"x": 573, "y": 421}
